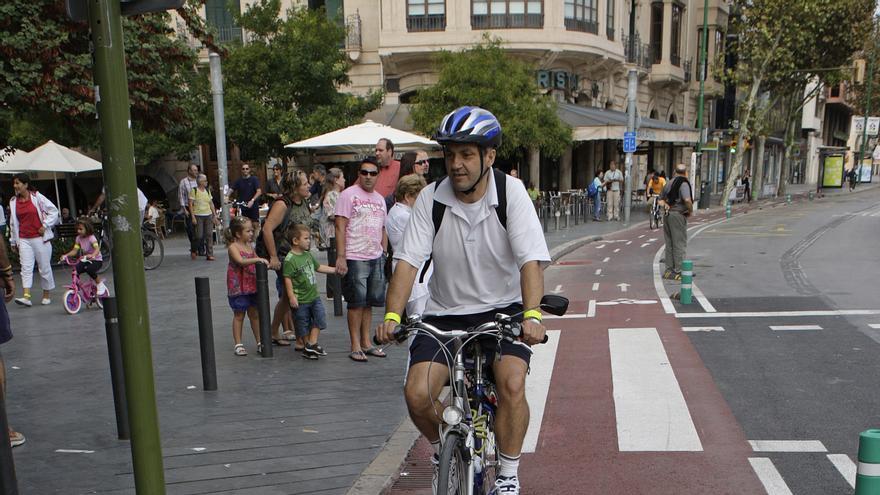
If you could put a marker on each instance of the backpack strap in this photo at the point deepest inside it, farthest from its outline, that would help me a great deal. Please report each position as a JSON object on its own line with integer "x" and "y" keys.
{"x": 501, "y": 189}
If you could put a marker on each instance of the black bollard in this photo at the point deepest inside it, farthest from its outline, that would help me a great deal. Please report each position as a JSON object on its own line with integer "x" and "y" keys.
{"x": 335, "y": 281}
{"x": 206, "y": 333}
{"x": 117, "y": 373}
{"x": 263, "y": 309}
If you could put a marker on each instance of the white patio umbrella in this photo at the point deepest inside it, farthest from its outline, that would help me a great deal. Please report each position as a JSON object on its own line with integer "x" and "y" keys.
{"x": 359, "y": 136}
{"x": 51, "y": 157}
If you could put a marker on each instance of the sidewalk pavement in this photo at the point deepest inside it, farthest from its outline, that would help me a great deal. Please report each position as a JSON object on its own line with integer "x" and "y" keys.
{"x": 279, "y": 425}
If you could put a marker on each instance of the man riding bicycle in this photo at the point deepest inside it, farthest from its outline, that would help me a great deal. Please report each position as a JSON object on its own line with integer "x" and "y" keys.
{"x": 655, "y": 187}
{"x": 481, "y": 267}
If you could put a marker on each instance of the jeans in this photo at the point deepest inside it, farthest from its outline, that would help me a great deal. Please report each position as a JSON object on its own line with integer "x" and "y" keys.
{"x": 364, "y": 284}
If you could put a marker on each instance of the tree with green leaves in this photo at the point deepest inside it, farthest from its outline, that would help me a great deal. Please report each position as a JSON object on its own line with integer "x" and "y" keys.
{"x": 47, "y": 90}
{"x": 780, "y": 46}
{"x": 282, "y": 85}
{"x": 486, "y": 76}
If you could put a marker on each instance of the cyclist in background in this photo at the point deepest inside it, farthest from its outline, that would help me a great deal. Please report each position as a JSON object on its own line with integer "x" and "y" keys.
{"x": 476, "y": 256}
{"x": 655, "y": 187}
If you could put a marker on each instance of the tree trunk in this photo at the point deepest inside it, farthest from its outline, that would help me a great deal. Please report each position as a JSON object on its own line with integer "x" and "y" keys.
{"x": 790, "y": 129}
{"x": 736, "y": 168}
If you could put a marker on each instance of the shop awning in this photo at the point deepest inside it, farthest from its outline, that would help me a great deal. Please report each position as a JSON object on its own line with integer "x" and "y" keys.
{"x": 593, "y": 124}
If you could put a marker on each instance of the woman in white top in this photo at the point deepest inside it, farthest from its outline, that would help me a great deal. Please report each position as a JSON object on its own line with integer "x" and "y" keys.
{"x": 408, "y": 188}
{"x": 31, "y": 218}
{"x": 334, "y": 183}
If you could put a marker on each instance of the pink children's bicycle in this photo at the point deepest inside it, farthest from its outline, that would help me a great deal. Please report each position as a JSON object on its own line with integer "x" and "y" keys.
{"x": 81, "y": 291}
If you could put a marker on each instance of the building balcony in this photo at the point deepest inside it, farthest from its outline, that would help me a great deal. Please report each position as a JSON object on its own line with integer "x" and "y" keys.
{"x": 422, "y": 23}
{"x": 664, "y": 74}
{"x": 640, "y": 56}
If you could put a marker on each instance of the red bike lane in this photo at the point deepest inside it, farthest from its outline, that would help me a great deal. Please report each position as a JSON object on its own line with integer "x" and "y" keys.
{"x": 581, "y": 447}
{"x": 587, "y": 443}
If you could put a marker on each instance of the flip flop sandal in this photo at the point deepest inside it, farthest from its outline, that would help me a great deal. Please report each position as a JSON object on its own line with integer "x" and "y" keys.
{"x": 358, "y": 356}
{"x": 281, "y": 342}
{"x": 239, "y": 350}
{"x": 289, "y": 335}
{"x": 376, "y": 352}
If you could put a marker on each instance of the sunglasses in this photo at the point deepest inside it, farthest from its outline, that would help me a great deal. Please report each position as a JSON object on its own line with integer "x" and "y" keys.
{"x": 422, "y": 162}
{"x": 371, "y": 173}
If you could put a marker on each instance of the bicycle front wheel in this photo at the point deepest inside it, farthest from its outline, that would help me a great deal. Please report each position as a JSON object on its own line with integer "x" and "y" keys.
{"x": 154, "y": 249}
{"x": 452, "y": 471}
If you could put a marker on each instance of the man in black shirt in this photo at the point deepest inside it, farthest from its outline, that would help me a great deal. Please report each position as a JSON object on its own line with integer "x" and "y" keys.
{"x": 247, "y": 189}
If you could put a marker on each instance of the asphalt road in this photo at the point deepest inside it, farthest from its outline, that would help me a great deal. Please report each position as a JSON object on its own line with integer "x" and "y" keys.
{"x": 802, "y": 366}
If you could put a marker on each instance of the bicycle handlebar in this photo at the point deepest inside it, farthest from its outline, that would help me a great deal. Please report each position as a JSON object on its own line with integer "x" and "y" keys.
{"x": 509, "y": 330}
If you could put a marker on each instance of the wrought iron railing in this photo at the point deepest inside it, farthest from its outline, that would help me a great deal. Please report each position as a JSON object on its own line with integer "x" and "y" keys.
{"x": 353, "y": 32}
{"x": 641, "y": 55}
{"x": 609, "y": 32}
{"x": 688, "y": 66}
{"x": 507, "y": 21}
{"x": 416, "y": 23}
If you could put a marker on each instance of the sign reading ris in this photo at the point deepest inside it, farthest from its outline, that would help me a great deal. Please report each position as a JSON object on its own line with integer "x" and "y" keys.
{"x": 558, "y": 79}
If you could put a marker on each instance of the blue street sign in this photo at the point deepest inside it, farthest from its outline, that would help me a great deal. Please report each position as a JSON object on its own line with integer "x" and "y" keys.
{"x": 629, "y": 142}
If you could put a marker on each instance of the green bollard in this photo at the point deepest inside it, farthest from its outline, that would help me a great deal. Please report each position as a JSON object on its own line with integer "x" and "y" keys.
{"x": 810, "y": 195}
{"x": 868, "y": 474}
{"x": 788, "y": 198}
{"x": 727, "y": 210}
{"x": 687, "y": 278}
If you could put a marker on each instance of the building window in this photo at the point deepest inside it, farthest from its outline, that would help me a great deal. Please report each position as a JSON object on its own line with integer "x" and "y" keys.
{"x": 425, "y": 15}
{"x": 507, "y": 14}
{"x": 609, "y": 20}
{"x": 656, "y": 32}
{"x": 218, "y": 16}
{"x": 582, "y": 15}
{"x": 675, "y": 35}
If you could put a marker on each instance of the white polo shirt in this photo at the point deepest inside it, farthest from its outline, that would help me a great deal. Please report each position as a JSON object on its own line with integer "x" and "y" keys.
{"x": 476, "y": 262}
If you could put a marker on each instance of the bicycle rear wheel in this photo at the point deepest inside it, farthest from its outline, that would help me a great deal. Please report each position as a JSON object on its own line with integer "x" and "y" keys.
{"x": 452, "y": 471}
{"x": 154, "y": 249}
{"x": 106, "y": 246}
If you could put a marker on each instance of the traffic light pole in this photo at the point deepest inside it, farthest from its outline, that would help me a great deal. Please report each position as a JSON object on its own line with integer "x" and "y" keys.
{"x": 704, "y": 41}
{"x": 631, "y": 93}
{"x": 117, "y": 152}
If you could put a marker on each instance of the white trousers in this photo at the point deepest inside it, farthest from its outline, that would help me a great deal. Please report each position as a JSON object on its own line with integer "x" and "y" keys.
{"x": 30, "y": 250}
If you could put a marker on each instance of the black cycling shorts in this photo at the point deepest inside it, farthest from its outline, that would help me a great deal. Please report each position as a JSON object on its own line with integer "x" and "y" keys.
{"x": 425, "y": 348}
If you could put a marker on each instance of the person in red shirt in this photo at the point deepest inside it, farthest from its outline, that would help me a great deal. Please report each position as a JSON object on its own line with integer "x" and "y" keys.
{"x": 389, "y": 169}
{"x": 31, "y": 219}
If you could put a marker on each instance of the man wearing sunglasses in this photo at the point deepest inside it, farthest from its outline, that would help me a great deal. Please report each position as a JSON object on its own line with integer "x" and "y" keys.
{"x": 247, "y": 189}
{"x": 361, "y": 243}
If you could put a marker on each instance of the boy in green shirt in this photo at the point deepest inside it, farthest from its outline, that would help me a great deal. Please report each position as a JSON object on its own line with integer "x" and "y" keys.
{"x": 299, "y": 270}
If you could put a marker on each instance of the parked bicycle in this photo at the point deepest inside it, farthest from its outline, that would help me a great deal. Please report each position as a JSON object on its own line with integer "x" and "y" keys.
{"x": 468, "y": 455}
{"x": 152, "y": 246}
{"x": 81, "y": 291}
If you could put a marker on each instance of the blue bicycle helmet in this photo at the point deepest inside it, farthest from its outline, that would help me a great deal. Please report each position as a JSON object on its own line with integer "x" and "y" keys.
{"x": 472, "y": 125}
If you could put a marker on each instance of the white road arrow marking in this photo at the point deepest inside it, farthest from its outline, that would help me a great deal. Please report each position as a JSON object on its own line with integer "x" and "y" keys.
{"x": 598, "y": 271}
{"x": 623, "y": 286}
{"x": 557, "y": 290}
{"x": 595, "y": 286}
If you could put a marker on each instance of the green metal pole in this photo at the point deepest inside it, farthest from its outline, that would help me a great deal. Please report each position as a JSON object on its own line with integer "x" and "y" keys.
{"x": 867, "y": 113}
{"x": 117, "y": 152}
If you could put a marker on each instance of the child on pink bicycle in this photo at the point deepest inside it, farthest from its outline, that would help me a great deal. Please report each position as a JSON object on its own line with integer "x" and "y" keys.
{"x": 86, "y": 245}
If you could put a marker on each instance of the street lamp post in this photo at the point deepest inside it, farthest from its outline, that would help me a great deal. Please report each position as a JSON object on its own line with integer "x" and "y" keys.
{"x": 631, "y": 91}
{"x": 704, "y": 41}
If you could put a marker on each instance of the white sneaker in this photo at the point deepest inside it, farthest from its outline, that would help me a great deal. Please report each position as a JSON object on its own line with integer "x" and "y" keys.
{"x": 506, "y": 486}
{"x": 46, "y": 301}
{"x": 24, "y": 301}
{"x": 102, "y": 290}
